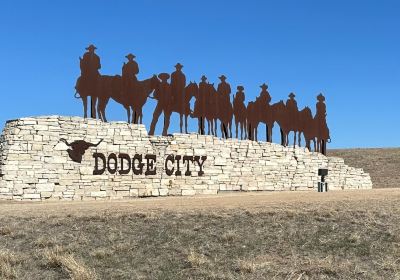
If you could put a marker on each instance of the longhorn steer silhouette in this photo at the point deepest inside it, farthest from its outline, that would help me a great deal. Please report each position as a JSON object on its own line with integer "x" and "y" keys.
{"x": 78, "y": 148}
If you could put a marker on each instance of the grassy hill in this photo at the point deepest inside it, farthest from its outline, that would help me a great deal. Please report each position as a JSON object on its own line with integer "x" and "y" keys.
{"x": 382, "y": 164}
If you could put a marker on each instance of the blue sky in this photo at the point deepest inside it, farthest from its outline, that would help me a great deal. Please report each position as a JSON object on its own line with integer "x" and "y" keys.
{"x": 349, "y": 50}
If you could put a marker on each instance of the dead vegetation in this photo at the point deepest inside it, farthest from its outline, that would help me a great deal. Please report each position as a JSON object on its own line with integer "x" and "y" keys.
{"x": 382, "y": 164}
{"x": 342, "y": 235}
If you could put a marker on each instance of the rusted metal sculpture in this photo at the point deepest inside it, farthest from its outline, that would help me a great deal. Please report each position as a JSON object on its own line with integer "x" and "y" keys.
{"x": 164, "y": 104}
{"x": 78, "y": 148}
{"x": 211, "y": 104}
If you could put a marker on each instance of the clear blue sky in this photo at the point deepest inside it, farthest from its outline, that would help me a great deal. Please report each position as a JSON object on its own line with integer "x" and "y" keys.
{"x": 349, "y": 50}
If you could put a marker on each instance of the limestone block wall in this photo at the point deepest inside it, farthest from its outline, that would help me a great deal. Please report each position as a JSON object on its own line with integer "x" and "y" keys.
{"x": 35, "y": 164}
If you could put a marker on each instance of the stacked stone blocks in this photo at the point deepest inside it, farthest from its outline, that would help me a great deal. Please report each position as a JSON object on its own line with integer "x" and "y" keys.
{"x": 34, "y": 163}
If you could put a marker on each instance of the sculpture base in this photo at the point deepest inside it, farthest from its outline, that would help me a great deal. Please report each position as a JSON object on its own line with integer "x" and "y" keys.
{"x": 56, "y": 157}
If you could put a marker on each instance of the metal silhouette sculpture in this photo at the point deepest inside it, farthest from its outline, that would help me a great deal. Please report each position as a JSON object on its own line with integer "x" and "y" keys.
{"x": 90, "y": 66}
{"x": 224, "y": 107}
{"x": 211, "y": 105}
{"x": 78, "y": 148}
{"x": 240, "y": 112}
{"x": 164, "y": 104}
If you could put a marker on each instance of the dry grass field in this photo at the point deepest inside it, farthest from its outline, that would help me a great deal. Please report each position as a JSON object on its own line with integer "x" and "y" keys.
{"x": 382, "y": 164}
{"x": 287, "y": 235}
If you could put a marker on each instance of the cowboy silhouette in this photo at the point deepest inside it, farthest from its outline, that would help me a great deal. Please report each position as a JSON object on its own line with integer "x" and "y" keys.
{"x": 264, "y": 94}
{"x": 321, "y": 108}
{"x": 266, "y": 112}
{"x": 291, "y": 107}
{"x": 178, "y": 84}
{"x": 90, "y": 63}
{"x": 224, "y": 90}
{"x": 322, "y": 129}
{"x": 239, "y": 111}
{"x": 203, "y": 94}
{"x": 129, "y": 72}
{"x": 224, "y": 99}
{"x": 163, "y": 96}
{"x": 90, "y": 66}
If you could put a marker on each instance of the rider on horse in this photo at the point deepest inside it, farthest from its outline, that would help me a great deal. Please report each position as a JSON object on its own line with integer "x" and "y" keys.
{"x": 129, "y": 72}
{"x": 292, "y": 110}
{"x": 90, "y": 65}
{"x": 224, "y": 91}
{"x": 264, "y": 94}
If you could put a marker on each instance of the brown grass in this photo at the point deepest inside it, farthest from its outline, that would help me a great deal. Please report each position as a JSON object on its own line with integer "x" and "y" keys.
{"x": 334, "y": 235}
{"x": 58, "y": 258}
{"x": 8, "y": 261}
{"x": 382, "y": 164}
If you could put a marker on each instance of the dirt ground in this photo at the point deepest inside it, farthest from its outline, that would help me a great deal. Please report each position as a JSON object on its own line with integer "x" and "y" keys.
{"x": 234, "y": 200}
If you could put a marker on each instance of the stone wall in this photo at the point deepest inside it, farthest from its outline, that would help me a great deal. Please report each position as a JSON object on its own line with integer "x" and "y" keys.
{"x": 35, "y": 165}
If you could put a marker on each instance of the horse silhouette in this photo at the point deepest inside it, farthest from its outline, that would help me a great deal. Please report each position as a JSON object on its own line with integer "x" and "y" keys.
{"x": 111, "y": 87}
{"x": 183, "y": 109}
{"x": 210, "y": 105}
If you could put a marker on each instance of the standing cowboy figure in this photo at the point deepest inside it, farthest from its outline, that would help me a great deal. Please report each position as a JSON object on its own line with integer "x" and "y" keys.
{"x": 163, "y": 96}
{"x": 203, "y": 96}
{"x": 291, "y": 109}
{"x": 178, "y": 84}
{"x": 321, "y": 126}
{"x": 266, "y": 114}
{"x": 90, "y": 66}
{"x": 223, "y": 101}
{"x": 129, "y": 72}
{"x": 240, "y": 113}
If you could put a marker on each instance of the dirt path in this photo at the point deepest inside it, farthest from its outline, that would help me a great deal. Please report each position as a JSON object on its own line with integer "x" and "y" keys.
{"x": 251, "y": 200}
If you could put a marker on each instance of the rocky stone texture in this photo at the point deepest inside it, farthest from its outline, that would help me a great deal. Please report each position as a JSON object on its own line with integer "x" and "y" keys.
{"x": 34, "y": 164}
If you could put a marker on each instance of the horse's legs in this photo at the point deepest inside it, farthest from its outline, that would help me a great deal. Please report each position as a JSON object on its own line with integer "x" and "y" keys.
{"x": 236, "y": 126}
{"x": 270, "y": 133}
{"x": 323, "y": 147}
{"x": 99, "y": 107}
{"x": 84, "y": 101}
{"x": 103, "y": 112}
{"x": 308, "y": 144}
{"x": 199, "y": 125}
{"x": 287, "y": 139}
{"x": 215, "y": 127}
{"x": 294, "y": 138}
{"x": 299, "y": 139}
{"x": 208, "y": 124}
{"x": 93, "y": 114}
{"x": 181, "y": 122}
{"x": 186, "y": 121}
{"x": 167, "y": 116}
{"x": 140, "y": 115}
{"x": 128, "y": 113}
